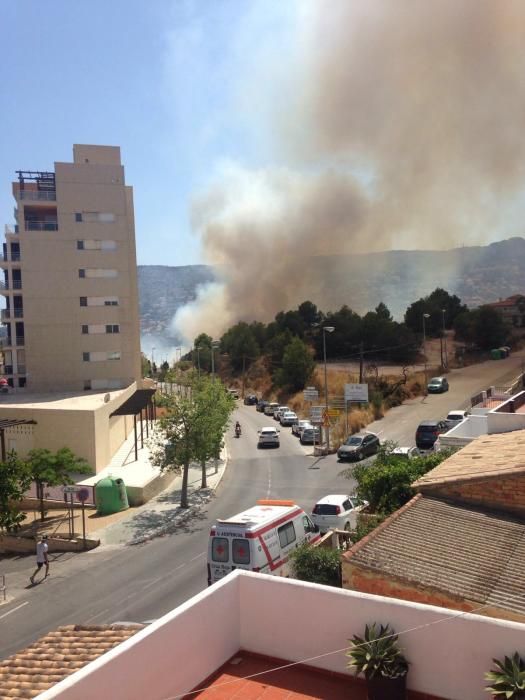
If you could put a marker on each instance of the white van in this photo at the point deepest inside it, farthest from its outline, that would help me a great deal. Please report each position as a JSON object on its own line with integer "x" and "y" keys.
{"x": 259, "y": 539}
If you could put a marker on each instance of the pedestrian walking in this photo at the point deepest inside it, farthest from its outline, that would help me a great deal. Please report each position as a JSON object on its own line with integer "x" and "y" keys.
{"x": 41, "y": 557}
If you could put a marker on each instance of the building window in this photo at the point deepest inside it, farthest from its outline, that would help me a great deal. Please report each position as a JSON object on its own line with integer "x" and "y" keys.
{"x": 21, "y": 382}
{"x": 87, "y": 384}
{"x": 113, "y": 355}
{"x": 80, "y": 245}
{"x": 85, "y": 356}
{"x": 83, "y": 301}
{"x": 85, "y": 329}
{"x": 81, "y": 273}
{"x": 96, "y": 244}
{"x": 78, "y": 217}
{"x": 113, "y": 329}
{"x": 111, "y": 302}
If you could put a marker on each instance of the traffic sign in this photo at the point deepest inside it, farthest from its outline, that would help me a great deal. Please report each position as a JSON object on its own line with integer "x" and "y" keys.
{"x": 316, "y": 413}
{"x": 310, "y": 393}
{"x": 356, "y": 392}
{"x": 72, "y": 489}
{"x": 333, "y": 412}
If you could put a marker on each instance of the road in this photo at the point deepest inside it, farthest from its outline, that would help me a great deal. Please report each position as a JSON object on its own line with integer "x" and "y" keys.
{"x": 139, "y": 583}
{"x": 144, "y": 582}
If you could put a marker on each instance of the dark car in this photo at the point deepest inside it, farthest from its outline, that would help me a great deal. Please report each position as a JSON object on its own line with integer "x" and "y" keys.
{"x": 260, "y": 405}
{"x": 428, "y": 432}
{"x": 250, "y": 400}
{"x": 437, "y": 385}
{"x": 357, "y": 447}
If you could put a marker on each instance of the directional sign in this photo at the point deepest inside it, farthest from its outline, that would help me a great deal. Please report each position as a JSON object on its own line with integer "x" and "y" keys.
{"x": 356, "y": 392}
{"x": 310, "y": 393}
{"x": 316, "y": 413}
{"x": 72, "y": 489}
{"x": 333, "y": 412}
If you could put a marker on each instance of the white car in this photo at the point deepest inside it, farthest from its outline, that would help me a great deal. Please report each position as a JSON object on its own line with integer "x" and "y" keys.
{"x": 406, "y": 452}
{"x": 288, "y": 418}
{"x": 279, "y": 412}
{"x": 297, "y": 428}
{"x": 455, "y": 417}
{"x": 337, "y": 512}
{"x": 268, "y": 437}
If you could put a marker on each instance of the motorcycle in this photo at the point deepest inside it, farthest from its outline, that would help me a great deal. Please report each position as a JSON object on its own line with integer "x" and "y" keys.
{"x": 237, "y": 431}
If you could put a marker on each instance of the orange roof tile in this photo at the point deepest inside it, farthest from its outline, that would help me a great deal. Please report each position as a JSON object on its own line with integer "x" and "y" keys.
{"x": 51, "y": 658}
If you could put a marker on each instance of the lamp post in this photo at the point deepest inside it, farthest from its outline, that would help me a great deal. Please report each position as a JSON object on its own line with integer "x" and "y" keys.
{"x": 214, "y": 344}
{"x": 445, "y": 361}
{"x": 152, "y": 360}
{"x": 326, "y": 329}
{"x": 425, "y": 349}
{"x": 198, "y": 349}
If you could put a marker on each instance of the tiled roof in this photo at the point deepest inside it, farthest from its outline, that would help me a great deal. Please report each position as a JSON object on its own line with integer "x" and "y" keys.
{"x": 55, "y": 656}
{"x": 474, "y": 554}
{"x": 487, "y": 456}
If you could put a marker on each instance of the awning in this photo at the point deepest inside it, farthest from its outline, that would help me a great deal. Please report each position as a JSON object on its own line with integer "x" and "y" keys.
{"x": 135, "y": 404}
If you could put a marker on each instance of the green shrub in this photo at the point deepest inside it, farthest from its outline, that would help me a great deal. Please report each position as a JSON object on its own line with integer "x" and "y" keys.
{"x": 317, "y": 565}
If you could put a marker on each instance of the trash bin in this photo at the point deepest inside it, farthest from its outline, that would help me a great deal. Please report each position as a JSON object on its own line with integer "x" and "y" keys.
{"x": 110, "y": 495}
{"x": 495, "y": 354}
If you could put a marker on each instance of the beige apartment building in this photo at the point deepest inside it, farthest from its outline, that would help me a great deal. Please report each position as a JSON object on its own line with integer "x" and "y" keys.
{"x": 72, "y": 352}
{"x": 70, "y": 277}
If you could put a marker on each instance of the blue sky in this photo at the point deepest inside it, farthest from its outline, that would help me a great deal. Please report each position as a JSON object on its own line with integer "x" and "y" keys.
{"x": 172, "y": 82}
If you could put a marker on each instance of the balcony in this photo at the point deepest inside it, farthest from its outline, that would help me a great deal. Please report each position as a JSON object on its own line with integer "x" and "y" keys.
{"x": 14, "y": 284}
{"x": 38, "y": 195}
{"x": 21, "y": 369}
{"x": 8, "y": 342}
{"x": 31, "y": 225}
{"x": 8, "y": 314}
{"x": 10, "y": 230}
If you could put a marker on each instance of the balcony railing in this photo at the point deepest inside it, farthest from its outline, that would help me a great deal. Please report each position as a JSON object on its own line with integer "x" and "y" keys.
{"x": 21, "y": 369}
{"x": 41, "y": 225}
{"x": 8, "y": 314}
{"x": 41, "y": 196}
{"x": 8, "y": 369}
{"x": 10, "y": 257}
{"x": 8, "y": 342}
{"x": 14, "y": 284}
{"x": 11, "y": 230}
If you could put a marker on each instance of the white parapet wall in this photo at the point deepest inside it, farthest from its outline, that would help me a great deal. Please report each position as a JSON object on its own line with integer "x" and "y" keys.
{"x": 449, "y": 651}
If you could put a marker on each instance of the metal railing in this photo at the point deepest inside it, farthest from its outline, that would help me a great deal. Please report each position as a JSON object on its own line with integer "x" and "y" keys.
{"x": 8, "y": 314}
{"x": 10, "y": 229}
{"x": 8, "y": 342}
{"x": 41, "y": 225}
{"x": 7, "y": 257}
{"x": 39, "y": 195}
{"x": 21, "y": 369}
{"x": 14, "y": 284}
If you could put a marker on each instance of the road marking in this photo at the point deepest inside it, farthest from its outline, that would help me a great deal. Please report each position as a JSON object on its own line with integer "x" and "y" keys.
{"x": 93, "y": 617}
{"x": 198, "y": 556}
{"x": 14, "y": 609}
{"x": 152, "y": 583}
{"x": 269, "y": 481}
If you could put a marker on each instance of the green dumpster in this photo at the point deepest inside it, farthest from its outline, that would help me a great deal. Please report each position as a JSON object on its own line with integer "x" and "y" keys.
{"x": 495, "y": 354}
{"x": 110, "y": 496}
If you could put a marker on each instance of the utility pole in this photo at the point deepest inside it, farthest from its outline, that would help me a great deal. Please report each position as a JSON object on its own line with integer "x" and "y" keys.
{"x": 445, "y": 363}
{"x": 361, "y": 353}
{"x": 243, "y": 374}
{"x": 425, "y": 316}
{"x": 326, "y": 329}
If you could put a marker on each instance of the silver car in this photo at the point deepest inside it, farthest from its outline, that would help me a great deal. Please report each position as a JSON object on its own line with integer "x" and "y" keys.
{"x": 268, "y": 437}
{"x": 297, "y": 428}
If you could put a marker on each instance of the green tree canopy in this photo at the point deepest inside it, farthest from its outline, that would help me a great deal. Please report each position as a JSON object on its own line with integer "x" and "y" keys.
{"x": 15, "y": 479}
{"x": 54, "y": 469}
{"x": 483, "y": 327}
{"x": 240, "y": 343}
{"x": 433, "y": 305}
{"x": 316, "y": 564}
{"x": 298, "y": 365}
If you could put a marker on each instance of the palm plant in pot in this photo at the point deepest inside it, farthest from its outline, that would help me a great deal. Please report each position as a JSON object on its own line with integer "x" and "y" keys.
{"x": 507, "y": 680}
{"x": 378, "y": 656}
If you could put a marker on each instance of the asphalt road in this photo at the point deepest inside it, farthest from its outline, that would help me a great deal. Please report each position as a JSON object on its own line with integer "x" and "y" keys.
{"x": 140, "y": 583}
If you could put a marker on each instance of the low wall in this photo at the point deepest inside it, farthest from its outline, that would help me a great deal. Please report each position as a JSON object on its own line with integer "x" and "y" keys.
{"x": 138, "y": 495}
{"x": 13, "y": 544}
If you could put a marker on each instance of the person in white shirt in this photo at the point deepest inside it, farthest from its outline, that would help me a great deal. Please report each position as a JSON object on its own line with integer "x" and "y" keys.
{"x": 41, "y": 557}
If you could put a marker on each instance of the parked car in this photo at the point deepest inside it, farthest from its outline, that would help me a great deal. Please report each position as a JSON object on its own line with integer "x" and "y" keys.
{"x": 270, "y": 408}
{"x": 455, "y": 417}
{"x": 297, "y": 428}
{"x": 310, "y": 435}
{"x": 268, "y": 437}
{"x": 357, "y": 447}
{"x": 437, "y": 385}
{"x": 280, "y": 410}
{"x": 288, "y": 418}
{"x": 428, "y": 431}
{"x": 337, "y": 512}
{"x": 261, "y": 405}
{"x": 406, "y": 452}
{"x": 250, "y": 400}
{"x": 234, "y": 393}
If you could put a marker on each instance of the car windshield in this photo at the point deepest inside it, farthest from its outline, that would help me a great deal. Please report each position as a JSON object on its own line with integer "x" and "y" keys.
{"x": 427, "y": 428}
{"x": 354, "y": 441}
{"x": 268, "y": 431}
{"x": 435, "y": 381}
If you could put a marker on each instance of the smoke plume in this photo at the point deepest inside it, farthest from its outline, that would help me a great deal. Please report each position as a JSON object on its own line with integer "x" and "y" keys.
{"x": 403, "y": 130}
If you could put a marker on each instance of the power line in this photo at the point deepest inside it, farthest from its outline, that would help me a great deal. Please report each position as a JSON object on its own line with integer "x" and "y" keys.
{"x": 410, "y": 630}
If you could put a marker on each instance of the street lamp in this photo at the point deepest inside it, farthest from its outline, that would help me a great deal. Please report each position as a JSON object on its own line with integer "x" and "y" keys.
{"x": 198, "y": 349}
{"x": 152, "y": 360}
{"x": 445, "y": 361}
{"x": 214, "y": 344}
{"x": 326, "y": 329}
{"x": 425, "y": 349}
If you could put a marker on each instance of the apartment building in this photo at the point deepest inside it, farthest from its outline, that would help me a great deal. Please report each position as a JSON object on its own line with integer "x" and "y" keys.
{"x": 70, "y": 278}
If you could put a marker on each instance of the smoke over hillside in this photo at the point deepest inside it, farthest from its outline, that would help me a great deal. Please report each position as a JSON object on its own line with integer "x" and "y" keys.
{"x": 403, "y": 130}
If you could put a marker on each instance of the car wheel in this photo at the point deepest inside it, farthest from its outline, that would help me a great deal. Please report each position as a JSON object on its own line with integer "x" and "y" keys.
{"x": 360, "y": 456}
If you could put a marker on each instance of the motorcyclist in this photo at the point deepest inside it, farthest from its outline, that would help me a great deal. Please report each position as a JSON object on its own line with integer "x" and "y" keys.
{"x": 237, "y": 428}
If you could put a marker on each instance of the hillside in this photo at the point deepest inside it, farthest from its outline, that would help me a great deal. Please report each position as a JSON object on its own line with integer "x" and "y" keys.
{"x": 478, "y": 274}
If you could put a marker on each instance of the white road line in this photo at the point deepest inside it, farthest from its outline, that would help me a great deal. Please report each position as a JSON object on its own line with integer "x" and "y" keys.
{"x": 152, "y": 583}
{"x": 14, "y": 609}
{"x": 93, "y": 617}
{"x": 198, "y": 556}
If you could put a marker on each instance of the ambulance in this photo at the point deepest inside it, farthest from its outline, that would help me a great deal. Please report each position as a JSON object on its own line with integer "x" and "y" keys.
{"x": 259, "y": 539}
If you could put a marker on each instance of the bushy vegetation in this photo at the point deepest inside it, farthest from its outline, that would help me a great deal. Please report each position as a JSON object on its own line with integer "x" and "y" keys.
{"x": 387, "y": 483}
{"x": 316, "y": 564}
